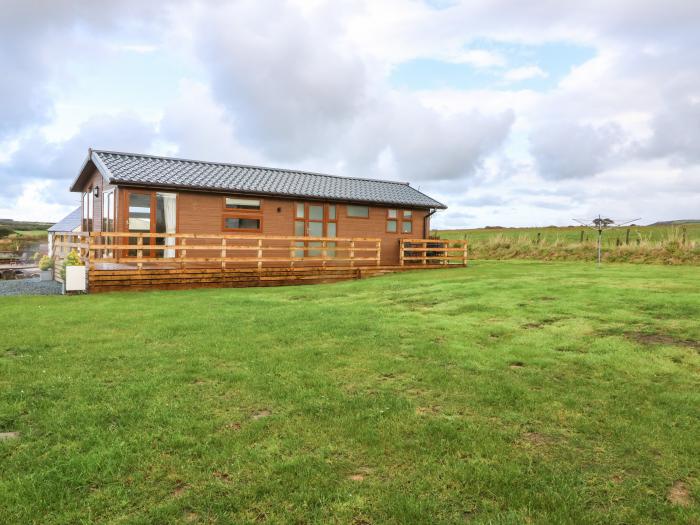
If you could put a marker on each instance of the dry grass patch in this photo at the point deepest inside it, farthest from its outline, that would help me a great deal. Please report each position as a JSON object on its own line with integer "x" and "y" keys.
{"x": 679, "y": 494}
{"x": 662, "y": 339}
{"x": 261, "y": 414}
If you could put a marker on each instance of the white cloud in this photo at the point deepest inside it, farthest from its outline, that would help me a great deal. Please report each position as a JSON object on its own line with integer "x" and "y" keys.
{"x": 479, "y": 58}
{"x": 305, "y": 84}
{"x": 524, "y": 73}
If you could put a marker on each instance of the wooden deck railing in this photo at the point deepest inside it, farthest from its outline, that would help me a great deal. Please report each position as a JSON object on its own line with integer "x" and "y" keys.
{"x": 431, "y": 252}
{"x": 185, "y": 249}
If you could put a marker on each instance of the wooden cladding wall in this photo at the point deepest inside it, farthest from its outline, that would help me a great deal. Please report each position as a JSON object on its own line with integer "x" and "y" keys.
{"x": 203, "y": 213}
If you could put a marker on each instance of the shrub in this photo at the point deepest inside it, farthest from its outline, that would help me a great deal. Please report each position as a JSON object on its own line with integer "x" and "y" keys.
{"x": 46, "y": 263}
{"x": 5, "y": 231}
{"x": 72, "y": 259}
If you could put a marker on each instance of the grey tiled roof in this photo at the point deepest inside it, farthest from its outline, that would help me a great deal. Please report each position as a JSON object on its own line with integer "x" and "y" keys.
{"x": 69, "y": 223}
{"x": 130, "y": 168}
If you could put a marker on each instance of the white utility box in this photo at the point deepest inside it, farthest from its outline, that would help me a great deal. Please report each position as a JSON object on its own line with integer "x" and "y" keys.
{"x": 75, "y": 278}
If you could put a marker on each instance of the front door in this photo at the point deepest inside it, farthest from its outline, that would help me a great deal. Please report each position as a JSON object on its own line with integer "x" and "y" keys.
{"x": 315, "y": 220}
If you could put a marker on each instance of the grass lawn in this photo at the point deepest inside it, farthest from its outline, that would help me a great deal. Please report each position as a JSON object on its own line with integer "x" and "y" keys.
{"x": 507, "y": 392}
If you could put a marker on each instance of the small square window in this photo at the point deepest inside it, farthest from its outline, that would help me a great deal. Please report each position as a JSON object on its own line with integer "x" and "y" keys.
{"x": 392, "y": 214}
{"x": 391, "y": 226}
{"x": 331, "y": 212}
{"x": 407, "y": 227}
{"x": 407, "y": 214}
{"x": 300, "y": 210}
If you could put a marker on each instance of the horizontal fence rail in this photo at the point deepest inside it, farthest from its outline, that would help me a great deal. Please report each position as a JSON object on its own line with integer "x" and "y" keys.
{"x": 432, "y": 252}
{"x": 124, "y": 249}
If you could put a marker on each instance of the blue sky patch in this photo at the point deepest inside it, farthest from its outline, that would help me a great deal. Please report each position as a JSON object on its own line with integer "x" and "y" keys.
{"x": 554, "y": 60}
{"x": 440, "y": 4}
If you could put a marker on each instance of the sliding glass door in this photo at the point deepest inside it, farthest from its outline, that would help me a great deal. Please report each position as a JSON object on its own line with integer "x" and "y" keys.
{"x": 166, "y": 220}
{"x": 152, "y": 212}
{"x": 139, "y": 220}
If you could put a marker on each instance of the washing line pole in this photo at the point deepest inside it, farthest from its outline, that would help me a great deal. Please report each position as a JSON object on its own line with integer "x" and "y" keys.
{"x": 600, "y": 224}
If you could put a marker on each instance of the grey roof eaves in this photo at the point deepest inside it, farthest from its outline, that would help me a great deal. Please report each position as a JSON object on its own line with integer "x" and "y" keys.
{"x": 362, "y": 196}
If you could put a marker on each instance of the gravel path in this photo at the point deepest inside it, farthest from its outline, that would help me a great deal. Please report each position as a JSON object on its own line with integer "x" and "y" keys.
{"x": 31, "y": 286}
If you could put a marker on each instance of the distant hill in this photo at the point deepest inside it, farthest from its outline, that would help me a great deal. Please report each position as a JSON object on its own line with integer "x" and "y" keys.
{"x": 24, "y": 225}
{"x": 671, "y": 223}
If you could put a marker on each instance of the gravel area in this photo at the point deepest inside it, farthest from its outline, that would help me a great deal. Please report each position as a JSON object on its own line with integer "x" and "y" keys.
{"x": 31, "y": 286}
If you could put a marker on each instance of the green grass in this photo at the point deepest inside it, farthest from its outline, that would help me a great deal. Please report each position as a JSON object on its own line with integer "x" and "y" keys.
{"x": 573, "y": 234}
{"x": 673, "y": 244}
{"x": 31, "y": 233}
{"x": 506, "y": 392}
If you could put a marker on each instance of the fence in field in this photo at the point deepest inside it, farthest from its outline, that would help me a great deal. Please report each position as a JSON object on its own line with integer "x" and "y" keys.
{"x": 432, "y": 251}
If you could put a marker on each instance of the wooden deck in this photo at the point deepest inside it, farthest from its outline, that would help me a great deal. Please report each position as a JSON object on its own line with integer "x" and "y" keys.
{"x": 133, "y": 262}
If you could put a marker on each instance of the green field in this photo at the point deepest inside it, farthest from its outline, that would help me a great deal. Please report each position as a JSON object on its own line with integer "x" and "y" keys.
{"x": 572, "y": 234}
{"x": 664, "y": 244}
{"x": 507, "y": 392}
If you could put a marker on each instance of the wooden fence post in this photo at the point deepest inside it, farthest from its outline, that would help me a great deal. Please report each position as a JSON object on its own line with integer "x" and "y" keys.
{"x": 401, "y": 249}
{"x": 139, "y": 252}
{"x": 223, "y": 253}
{"x": 260, "y": 253}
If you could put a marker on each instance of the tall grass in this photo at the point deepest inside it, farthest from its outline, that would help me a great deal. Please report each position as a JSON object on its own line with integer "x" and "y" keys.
{"x": 673, "y": 247}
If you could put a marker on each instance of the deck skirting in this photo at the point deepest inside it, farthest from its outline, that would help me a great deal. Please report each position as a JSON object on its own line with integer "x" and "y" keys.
{"x": 110, "y": 280}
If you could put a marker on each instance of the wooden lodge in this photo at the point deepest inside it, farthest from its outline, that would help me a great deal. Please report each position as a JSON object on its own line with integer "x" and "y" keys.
{"x": 155, "y": 222}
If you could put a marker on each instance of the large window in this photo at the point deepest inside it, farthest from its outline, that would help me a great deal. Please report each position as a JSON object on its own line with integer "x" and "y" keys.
{"x": 108, "y": 217}
{"x": 108, "y": 211}
{"x": 358, "y": 211}
{"x": 394, "y": 218}
{"x": 87, "y": 211}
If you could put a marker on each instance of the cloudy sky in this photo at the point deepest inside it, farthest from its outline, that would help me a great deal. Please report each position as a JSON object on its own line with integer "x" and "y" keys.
{"x": 511, "y": 113}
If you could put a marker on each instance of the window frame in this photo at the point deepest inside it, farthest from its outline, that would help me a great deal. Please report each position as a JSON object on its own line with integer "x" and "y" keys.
{"x": 242, "y": 213}
{"x": 228, "y": 209}
{"x": 88, "y": 208}
{"x": 400, "y": 218}
{"x": 257, "y": 217}
{"x": 302, "y": 253}
{"x": 306, "y": 219}
{"x": 121, "y": 218}
{"x": 347, "y": 211}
